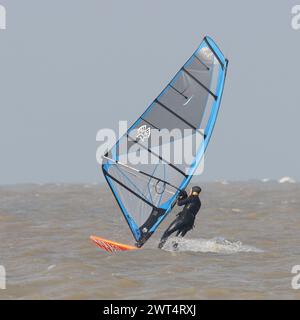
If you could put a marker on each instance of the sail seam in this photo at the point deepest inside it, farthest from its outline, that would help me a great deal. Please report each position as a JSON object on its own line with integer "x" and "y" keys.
{"x": 200, "y": 83}
{"x": 178, "y": 116}
{"x": 158, "y": 156}
{"x": 150, "y": 124}
{"x": 130, "y": 190}
{"x": 141, "y": 172}
{"x": 176, "y": 90}
{"x": 207, "y": 68}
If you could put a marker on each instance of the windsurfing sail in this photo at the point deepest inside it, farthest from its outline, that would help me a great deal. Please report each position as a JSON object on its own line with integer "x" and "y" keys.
{"x": 147, "y": 192}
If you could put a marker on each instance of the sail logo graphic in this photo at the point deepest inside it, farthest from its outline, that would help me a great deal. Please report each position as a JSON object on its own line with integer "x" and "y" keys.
{"x": 188, "y": 100}
{"x": 2, "y": 17}
{"x": 207, "y": 56}
{"x": 295, "y": 23}
{"x": 143, "y": 133}
{"x": 2, "y": 278}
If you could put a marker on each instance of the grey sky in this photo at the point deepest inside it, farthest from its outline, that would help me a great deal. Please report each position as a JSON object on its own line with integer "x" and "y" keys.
{"x": 69, "y": 68}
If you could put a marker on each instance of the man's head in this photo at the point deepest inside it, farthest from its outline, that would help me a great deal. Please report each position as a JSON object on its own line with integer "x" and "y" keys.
{"x": 195, "y": 191}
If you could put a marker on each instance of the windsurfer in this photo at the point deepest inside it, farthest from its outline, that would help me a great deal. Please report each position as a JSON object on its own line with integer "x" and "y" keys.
{"x": 185, "y": 219}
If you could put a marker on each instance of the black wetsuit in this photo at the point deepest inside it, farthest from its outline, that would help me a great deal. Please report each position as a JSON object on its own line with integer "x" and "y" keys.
{"x": 185, "y": 219}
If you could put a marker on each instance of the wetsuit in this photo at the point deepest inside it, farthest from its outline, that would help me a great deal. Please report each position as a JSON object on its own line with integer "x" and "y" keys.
{"x": 185, "y": 219}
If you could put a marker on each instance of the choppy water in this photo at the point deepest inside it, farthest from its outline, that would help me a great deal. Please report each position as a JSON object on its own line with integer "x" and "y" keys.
{"x": 245, "y": 243}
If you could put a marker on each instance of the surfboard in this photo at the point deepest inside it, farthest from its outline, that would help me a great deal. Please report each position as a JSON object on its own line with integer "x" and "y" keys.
{"x": 111, "y": 246}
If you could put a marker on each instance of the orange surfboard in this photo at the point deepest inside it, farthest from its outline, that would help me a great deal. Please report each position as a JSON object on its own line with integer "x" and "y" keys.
{"x": 111, "y": 246}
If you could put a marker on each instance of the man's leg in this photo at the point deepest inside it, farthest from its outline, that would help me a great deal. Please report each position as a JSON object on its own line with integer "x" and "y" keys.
{"x": 184, "y": 231}
{"x": 174, "y": 226}
{"x": 181, "y": 232}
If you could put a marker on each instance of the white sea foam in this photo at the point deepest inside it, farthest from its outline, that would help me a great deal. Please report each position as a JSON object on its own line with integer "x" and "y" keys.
{"x": 236, "y": 210}
{"x": 215, "y": 245}
{"x": 51, "y": 267}
{"x": 224, "y": 182}
{"x": 287, "y": 180}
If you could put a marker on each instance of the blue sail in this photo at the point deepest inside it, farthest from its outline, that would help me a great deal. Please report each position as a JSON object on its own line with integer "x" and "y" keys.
{"x": 147, "y": 192}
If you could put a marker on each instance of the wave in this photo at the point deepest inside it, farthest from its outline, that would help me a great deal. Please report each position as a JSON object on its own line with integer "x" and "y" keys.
{"x": 224, "y": 182}
{"x": 287, "y": 180}
{"x": 215, "y": 245}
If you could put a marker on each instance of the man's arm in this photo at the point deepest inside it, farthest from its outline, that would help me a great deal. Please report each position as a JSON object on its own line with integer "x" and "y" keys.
{"x": 182, "y": 202}
{"x": 182, "y": 195}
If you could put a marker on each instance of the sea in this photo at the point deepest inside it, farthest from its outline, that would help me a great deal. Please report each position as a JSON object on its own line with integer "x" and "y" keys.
{"x": 245, "y": 245}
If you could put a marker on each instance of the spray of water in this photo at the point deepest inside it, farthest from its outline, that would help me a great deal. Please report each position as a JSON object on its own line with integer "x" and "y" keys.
{"x": 215, "y": 245}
